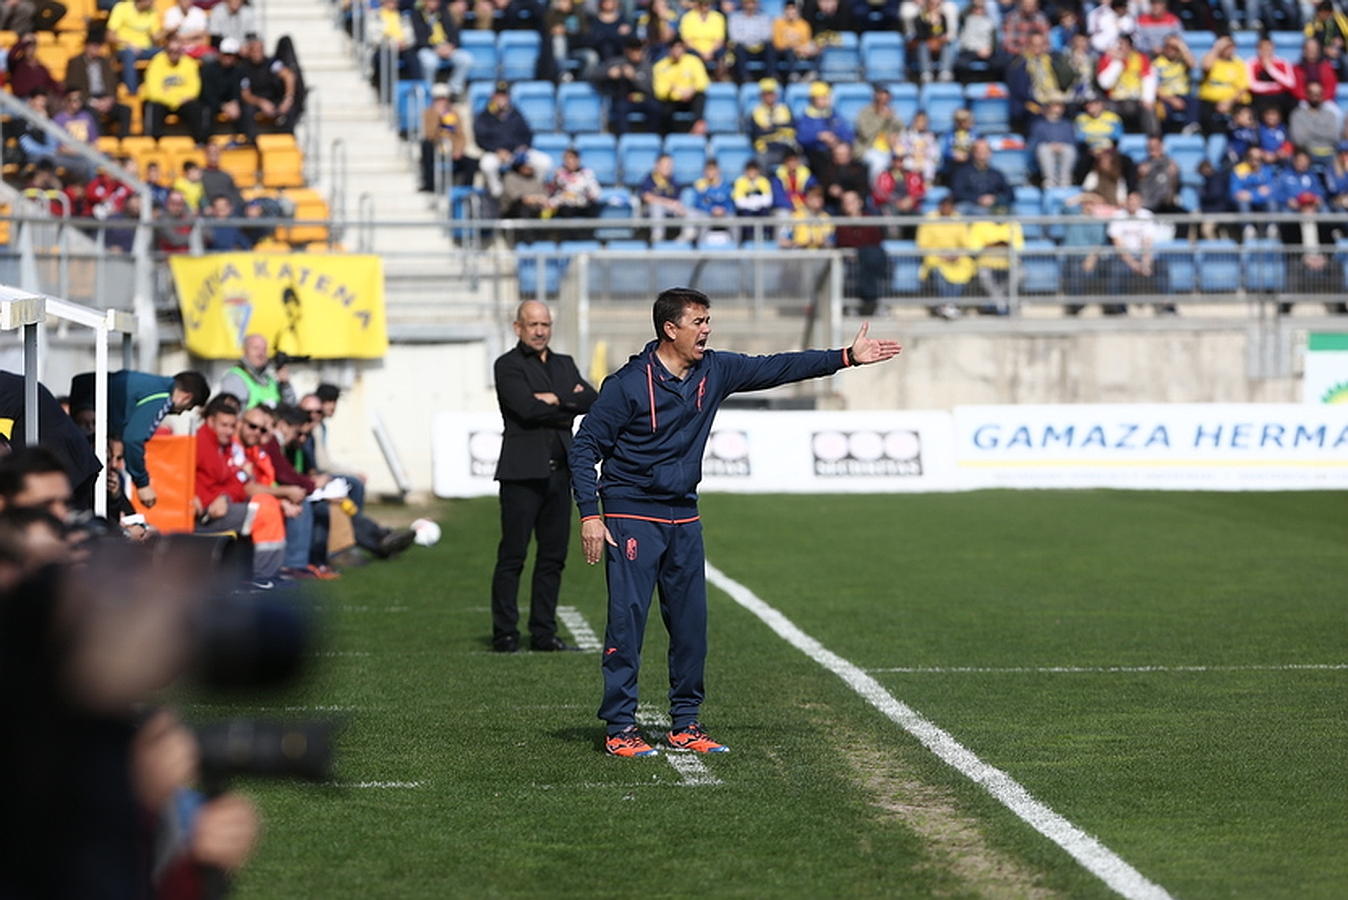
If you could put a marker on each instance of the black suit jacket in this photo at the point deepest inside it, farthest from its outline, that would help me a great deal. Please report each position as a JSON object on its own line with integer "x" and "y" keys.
{"x": 537, "y": 434}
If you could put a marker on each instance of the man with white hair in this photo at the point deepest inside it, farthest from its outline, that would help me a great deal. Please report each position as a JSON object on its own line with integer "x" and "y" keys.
{"x": 252, "y": 383}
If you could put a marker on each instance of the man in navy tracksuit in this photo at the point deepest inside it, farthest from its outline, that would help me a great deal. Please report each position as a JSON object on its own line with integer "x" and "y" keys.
{"x": 649, "y": 427}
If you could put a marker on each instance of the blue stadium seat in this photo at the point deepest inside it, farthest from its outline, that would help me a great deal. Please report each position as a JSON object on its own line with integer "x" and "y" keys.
{"x": 616, "y": 203}
{"x": 850, "y": 99}
{"x": 882, "y": 56}
{"x": 991, "y": 105}
{"x": 1200, "y": 42}
{"x": 722, "y": 109}
{"x": 671, "y": 272}
{"x": 1265, "y": 266}
{"x": 1341, "y": 94}
{"x": 599, "y": 153}
{"x": 537, "y": 102}
{"x": 1054, "y": 201}
{"x": 1218, "y": 265}
{"x": 732, "y": 151}
{"x": 1008, "y": 154}
{"x": 553, "y": 143}
{"x": 1187, "y": 150}
{"x": 932, "y": 198}
{"x": 479, "y": 92}
{"x": 1029, "y": 202}
{"x": 749, "y": 97}
{"x": 636, "y": 157}
{"x": 940, "y": 99}
{"x": 690, "y": 153}
{"x": 529, "y": 257}
{"x": 579, "y": 107}
{"x": 461, "y": 200}
{"x": 1134, "y": 146}
{"x": 620, "y": 276}
{"x": 411, "y": 100}
{"x": 903, "y": 99}
{"x": 1188, "y": 198}
{"x": 1247, "y": 42}
{"x": 569, "y": 250}
{"x": 518, "y": 51}
{"x": 904, "y": 268}
{"x": 841, "y": 61}
{"x": 1216, "y": 149}
{"x": 482, "y": 44}
{"x": 1178, "y": 260}
{"x": 1287, "y": 44}
{"x": 1042, "y": 267}
{"x": 797, "y": 97}
{"x": 718, "y": 277}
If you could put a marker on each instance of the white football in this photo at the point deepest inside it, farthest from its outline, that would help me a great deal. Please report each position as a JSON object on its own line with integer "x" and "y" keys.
{"x": 428, "y": 533}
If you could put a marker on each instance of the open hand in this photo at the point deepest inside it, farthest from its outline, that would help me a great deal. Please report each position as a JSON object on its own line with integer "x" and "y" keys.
{"x": 865, "y": 350}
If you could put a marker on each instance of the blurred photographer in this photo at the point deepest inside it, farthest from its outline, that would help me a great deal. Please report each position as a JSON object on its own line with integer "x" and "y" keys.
{"x": 254, "y": 382}
{"x": 33, "y": 478}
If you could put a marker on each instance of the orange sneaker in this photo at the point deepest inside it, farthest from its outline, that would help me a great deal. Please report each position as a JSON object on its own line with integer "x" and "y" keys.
{"x": 693, "y": 739}
{"x": 628, "y": 742}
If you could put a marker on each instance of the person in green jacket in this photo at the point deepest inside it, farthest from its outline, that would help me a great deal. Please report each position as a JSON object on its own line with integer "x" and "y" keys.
{"x": 137, "y": 403}
{"x": 252, "y": 383}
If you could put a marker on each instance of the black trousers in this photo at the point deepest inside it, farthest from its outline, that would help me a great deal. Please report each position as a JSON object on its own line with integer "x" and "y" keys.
{"x": 542, "y": 507}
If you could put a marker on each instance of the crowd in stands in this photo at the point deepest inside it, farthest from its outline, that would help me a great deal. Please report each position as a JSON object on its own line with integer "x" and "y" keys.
{"x": 1005, "y": 106}
{"x": 263, "y": 469}
{"x": 178, "y": 94}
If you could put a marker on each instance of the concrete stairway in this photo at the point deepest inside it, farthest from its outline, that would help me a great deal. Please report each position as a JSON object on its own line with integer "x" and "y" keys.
{"x": 426, "y": 279}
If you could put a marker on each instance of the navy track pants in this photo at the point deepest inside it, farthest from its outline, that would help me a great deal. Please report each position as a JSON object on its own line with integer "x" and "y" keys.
{"x": 649, "y": 556}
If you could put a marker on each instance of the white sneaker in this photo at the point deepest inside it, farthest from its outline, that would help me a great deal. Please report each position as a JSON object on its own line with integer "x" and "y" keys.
{"x": 948, "y": 311}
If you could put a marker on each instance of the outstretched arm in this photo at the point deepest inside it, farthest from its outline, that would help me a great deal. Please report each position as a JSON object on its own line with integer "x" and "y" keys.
{"x": 756, "y": 373}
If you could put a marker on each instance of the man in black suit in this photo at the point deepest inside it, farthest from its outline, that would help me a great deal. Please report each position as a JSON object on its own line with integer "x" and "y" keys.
{"x": 540, "y": 393}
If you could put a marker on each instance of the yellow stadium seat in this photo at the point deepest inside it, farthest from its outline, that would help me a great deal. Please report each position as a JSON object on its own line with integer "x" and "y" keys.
{"x": 136, "y": 144}
{"x": 271, "y": 245}
{"x": 148, "y": 157}
{"x": 4, "y": 223}
{"x": 191, "y": 154}
{"x": 44, "y": 39}
{"x": 241, "y": 162}
{"x": 266, "y": 142}
{"x": 54, "y": 57}
{"x": 173, "y": 143}
{"x": 8, "y": 39}
{"x": 309, "y": 206}
{"x": 109, "y": 145}
{"x": 282, "y": 168}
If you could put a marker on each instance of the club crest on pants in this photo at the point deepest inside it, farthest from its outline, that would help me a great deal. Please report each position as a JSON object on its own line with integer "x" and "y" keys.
{"x": 631, "y": 548}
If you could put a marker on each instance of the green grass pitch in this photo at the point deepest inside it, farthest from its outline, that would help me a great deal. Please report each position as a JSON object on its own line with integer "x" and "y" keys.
{"x": 1156, "y": 667}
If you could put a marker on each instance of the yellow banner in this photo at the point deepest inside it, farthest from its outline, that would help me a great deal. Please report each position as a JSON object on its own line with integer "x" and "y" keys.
{"x": 324, "y": 306}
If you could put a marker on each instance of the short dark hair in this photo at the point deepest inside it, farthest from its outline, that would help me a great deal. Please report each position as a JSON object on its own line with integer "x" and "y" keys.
{"x": 223, "y": 403}
{"x": 292, "y": 415}
{"x": 671, "y": 303}
{"x": 25, "y": 461}
{"x": 328, "y": 393}
{"x": 193, "y": 383}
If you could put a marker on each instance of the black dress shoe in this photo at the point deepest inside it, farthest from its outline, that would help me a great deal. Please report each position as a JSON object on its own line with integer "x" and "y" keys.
{"x": 551, "y": 645}
{"x": 506, "y": 645}
{"x": 395, "y": 542}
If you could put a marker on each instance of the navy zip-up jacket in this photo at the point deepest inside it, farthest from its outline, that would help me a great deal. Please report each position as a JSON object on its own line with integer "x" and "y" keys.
{"x": 649, "y": 429}
{"x": 136, "y": 401}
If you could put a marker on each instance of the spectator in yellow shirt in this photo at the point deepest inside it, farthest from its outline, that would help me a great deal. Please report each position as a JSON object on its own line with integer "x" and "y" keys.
{"x": 173, "y": 85}
{"x": 189, "y": 185}
{"x": 680, "y": 82}
{"x": 793, "y": 40}
{"x": 947, "y": 268}
{"x": 810, "y": 235}
{"x": 1226, "y": 85}
{"x": 994, "y": 242}
{"x": 703, "y": 29}
{"x": 134, "y": 28}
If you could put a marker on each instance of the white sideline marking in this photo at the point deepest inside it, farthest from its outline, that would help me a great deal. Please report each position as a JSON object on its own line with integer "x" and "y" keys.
{"x": 1055, "y": 670}
{"x": 347, "y": 607}
{"x": 1094, "y": 856}
{"x": 580, "y": 629}
{"x": 692, "y": 771}
{"x": 393, "y": 785}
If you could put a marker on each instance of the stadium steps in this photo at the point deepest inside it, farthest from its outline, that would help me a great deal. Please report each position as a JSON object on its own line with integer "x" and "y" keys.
{"x": 377, "y": 162}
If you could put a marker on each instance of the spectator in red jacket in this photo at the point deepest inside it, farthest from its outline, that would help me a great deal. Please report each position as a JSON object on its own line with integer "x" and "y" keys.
{"x": 1312, "y": 69}
{"x": 222, "y": 497}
